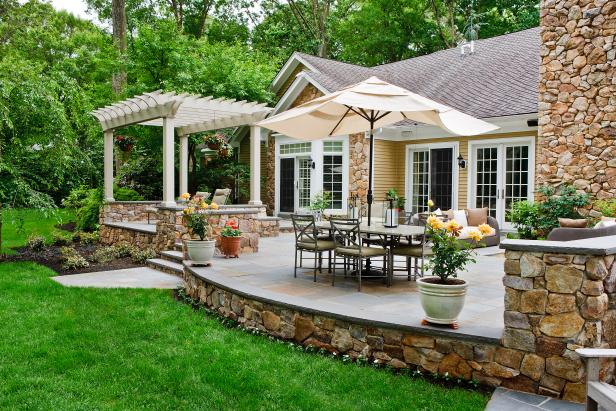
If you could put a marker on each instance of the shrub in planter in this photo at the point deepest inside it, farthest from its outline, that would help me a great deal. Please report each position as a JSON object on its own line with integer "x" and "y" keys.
{"x": 197, "y": 220}
{"x": 72, "y": 260}
{"x": 230, "y": 239}
{"x": 442, "y": 295}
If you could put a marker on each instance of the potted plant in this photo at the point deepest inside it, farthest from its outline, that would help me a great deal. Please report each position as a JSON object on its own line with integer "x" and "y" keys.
{"x": 230, "y": 239}
{"x": 196, "y": 218}
{"x": 214, "y": 141}
{"x": 320, "y": 202}
{"x": 125, "y": 143}
{"x": 225, "y": 150}
{"x": 442, "y": 295}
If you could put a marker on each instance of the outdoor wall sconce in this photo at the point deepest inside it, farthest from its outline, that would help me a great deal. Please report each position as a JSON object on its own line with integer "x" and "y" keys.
{"x": 461, "y": 162}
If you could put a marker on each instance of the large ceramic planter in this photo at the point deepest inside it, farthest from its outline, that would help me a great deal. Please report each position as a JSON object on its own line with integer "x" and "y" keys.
{"x": 442, "y": 303}
{"x": 230, "y": 246}
{"x": 200, "y": 252}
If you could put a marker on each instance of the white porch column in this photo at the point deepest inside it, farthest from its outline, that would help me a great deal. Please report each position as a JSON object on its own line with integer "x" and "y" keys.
{"x": 108, "y": 164}
{"x": 255, "y": 165}
{"x": 168, "y": 163}
{"x": 183, "y": 164}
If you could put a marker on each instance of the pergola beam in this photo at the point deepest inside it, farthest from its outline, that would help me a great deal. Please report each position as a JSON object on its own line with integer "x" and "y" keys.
{"x": 185, "y": 114}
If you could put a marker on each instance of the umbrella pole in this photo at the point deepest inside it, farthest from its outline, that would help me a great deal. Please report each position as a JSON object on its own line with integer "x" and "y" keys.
{"x": 369, "y": 196}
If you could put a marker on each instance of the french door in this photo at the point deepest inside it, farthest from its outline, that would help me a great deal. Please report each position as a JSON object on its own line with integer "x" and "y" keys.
{"x": 302, "y": 184}
{"x": 287, "y": 185}
{"x": 502, "y": 174}
{"x": 431, "y": 177}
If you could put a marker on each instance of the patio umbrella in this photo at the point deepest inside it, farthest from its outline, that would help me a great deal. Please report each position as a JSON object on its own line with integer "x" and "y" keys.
{"x": 371, "y": 104}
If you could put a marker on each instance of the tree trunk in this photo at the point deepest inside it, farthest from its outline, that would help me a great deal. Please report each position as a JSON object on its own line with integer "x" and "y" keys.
{"x": 118, "y": 17}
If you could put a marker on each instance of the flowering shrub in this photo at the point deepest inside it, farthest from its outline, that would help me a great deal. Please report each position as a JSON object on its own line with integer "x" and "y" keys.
{"x": 231, "y": 229}
{"x": 449, "y": 254}
{"x": 196, "y": 218}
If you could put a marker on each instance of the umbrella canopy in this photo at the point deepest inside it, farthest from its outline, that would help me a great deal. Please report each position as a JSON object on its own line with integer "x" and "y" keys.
{"x": 371, "y": 104}
{"x": 349, "y": 110}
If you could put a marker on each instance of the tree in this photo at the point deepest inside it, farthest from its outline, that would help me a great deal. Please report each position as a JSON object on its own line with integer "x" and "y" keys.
{"x": 118, "y": 18}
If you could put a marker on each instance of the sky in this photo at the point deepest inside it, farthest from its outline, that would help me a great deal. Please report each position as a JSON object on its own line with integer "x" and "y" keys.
{"x": 77, "y": 7}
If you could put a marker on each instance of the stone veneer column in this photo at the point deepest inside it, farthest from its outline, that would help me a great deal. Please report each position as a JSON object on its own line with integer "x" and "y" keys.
{"x": 577, "y": 96}
{"x": 270, "y": 174}
{"x": 359, "y": 147}
{"x": 554, "y": 304}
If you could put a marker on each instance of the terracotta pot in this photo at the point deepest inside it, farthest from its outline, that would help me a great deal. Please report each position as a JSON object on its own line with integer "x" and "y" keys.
{"x": 230, "y": 246}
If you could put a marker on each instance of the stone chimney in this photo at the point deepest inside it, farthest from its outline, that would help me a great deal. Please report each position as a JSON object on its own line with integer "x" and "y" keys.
{"x": 577, "y": 96}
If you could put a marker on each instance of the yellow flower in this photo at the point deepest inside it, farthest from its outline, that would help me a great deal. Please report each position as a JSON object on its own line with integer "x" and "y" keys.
{"x": 203, "y": 205}
{"x": 435, "y": 223}
{"x": 485, "y": 229}
{"x": 452, "y": 226}
{"x": 185, "y": 196}
{"x": 214, "y": 206}
{"x": 475, "y": 235}
{"x": 188, "y": 210}
{"x": 430, "y": 203}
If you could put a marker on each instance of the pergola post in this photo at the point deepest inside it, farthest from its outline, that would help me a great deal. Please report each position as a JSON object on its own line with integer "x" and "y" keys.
{"x": 108, "y": 164}
{"x": 183, "y": 164}
{"x": 168, "y": 163}
{"x": 255, "y": 165}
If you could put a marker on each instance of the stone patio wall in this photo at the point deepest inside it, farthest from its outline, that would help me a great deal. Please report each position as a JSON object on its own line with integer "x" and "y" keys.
{"x": 252, "y": 222}
{"x": 127, "y": 211}
{"x": 109, "y": 235}
{"x": 577, "y": 96}
{"x": 359, "y": 149}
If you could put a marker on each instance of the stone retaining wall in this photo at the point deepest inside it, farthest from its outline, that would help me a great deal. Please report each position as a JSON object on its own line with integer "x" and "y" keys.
{"x": 113, "y": 235}
{"x": 460, "y": 357}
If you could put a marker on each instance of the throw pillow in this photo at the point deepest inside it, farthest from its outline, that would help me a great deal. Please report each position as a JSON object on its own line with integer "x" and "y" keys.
{"x": 477, "y": 216}
{"x": 438, "y": 212}
{"x": 460, "y": 217}
{"x": 449, "y": 214}
{"x": 573, "y": 222}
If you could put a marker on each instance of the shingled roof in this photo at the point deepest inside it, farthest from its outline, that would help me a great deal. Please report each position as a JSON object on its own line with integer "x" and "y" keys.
{"x": 500, "y": 78}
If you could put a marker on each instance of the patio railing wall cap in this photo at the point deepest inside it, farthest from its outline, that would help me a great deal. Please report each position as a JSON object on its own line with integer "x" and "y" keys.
{"x": 220, "y": 211}
{"x": 591, "y": 246}
{"x": 134, "y": 202}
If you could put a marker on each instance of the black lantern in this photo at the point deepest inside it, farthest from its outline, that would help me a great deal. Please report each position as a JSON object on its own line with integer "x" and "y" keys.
{"x": 461, "y": 162}
{"x": 354, "y": 207}
{"x": 390, "y": 219}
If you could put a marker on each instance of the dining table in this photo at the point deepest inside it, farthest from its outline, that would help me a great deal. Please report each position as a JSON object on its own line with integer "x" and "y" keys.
{"x": 388, "y": 235}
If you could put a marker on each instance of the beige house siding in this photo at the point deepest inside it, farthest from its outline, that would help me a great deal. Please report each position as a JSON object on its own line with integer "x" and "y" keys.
{"x": 390, "y": 162}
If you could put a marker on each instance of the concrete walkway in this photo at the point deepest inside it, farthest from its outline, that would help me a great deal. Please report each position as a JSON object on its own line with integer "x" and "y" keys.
{"x": 140, "y": 277}
{"x": 509, "y": 400}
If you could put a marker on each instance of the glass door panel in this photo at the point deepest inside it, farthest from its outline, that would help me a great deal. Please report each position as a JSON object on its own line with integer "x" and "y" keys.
{"x": 420, "y": 181}
{"x": 441, "y": 177}
{"x": 486, "y": 179}
{"x": 303, "y": 182}
{"x": 516, "y": 176}
{"x": 287, "y": 185}
{"x": 332, "y": 179}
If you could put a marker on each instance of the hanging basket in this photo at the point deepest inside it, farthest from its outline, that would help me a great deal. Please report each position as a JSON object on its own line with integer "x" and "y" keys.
{"x": 213, "y": 146}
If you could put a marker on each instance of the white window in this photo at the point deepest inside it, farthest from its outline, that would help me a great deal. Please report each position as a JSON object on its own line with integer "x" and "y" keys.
{"x": 295, "y": 148}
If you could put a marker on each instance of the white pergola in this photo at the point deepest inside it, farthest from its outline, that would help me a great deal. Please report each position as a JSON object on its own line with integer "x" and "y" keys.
{"x": 185, "y": 114}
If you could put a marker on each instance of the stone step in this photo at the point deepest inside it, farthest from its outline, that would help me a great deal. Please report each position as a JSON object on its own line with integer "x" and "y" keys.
{"x": 178, "y": 246}
{"x": 166, "y": 266}
{"x": 172, "y": 255}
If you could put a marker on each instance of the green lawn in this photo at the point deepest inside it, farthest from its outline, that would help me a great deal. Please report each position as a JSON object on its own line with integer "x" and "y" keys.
{"x": 33, "y": 223}
{"x": 69, "y": 348}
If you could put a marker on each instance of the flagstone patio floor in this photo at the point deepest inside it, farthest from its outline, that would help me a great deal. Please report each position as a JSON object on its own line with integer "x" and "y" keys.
{"x": 271, "y": 271}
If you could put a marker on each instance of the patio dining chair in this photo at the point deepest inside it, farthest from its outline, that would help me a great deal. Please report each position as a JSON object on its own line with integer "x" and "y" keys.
{"x": 221, "y": 195}
{"x": 349, "y": 244}
{"x": 414, "y": 250}
{"x": 307, "y": 240}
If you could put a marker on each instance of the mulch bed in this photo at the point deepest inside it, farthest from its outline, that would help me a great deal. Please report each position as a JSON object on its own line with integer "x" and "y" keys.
{"x": 50, "y": 257}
